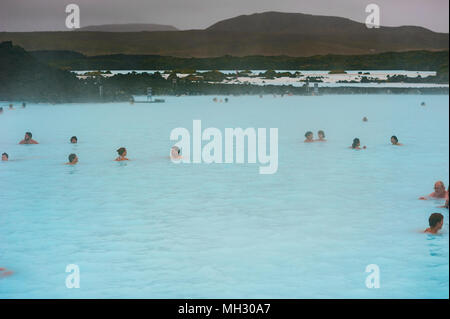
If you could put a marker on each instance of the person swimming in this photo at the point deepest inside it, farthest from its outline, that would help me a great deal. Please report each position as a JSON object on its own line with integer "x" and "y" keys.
{"x": 28, "y": 139}
{"x": 394, "y": 141}
{"x": 73, "y": 159}
{"x": 435, "y": 221}
{"x": 439, "y": 192}
{"x": 5, "y": 157}
{"x": 175, "y": 153}
{"x": 422, "y": 104}
{"x": 122, "y": 154}
{"x": 309, "y": 137}
{"x": 11, "y": 107}
{"x": 321, "y": 135}
{"x": 356, "y": 145}
{"x": 5, "y": 272}
{"x": 365, "y": 119}
{"x": 1, "y": 110}
{"x": 24, "y": 105}
{"x": 73, "y": 140}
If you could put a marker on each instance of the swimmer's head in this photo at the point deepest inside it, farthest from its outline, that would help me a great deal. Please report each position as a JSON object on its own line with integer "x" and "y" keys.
{"x": 1, "y": 109}
{"x": 24, "y": 104}
{"x": 309, "y": 135}
{"x": 73, "y": 159}
{"x": 436, "y": 220}
{"x": 74, "y": 140}
{"x": 439, "y": 187}
{"x": 122, "y": 151}
{"x": 28, "y": 136}
{"x": 5, "y": 157}
{"x": 10, "y": 106}
{"x": 365, "y": 119}
{"x": 321, "y": 134}
{"x": 356, "y": 143}
{"x": 176, "y": 150}
{"x": 394, "y": 139}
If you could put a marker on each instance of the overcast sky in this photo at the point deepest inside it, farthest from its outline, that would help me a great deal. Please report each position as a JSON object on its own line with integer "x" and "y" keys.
{"x": 46, "y": 15}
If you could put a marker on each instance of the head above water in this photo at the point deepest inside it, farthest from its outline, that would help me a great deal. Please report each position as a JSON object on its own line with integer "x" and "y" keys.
{"x": 28, "y": 136}
{"x": 436, "y": 220}
{"x": 394, "y": 139}
{"x": 73, "y": 158}
{"x": 321, "y": 134}
{"x": 439, "y": 187}
{"x": 356, "y": 143}
{"x": 176, "y": 150}
{"x": 122, "y": 151}
{"x": 5, "y": 157}
{"x": 74, "y": 140}
{"x": 365, "y": 119}
{"x": 309, "y": 135}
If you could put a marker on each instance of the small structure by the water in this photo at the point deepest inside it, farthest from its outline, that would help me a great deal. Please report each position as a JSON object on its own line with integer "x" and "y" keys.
{"x": 150, "y": 98}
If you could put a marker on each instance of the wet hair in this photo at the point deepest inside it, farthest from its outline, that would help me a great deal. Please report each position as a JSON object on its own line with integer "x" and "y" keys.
{"x": 395, "y": 138}
{"x": 177, "y": 148}
{"x": 321, "y": 132}
{"x": 73, "y": 138}
{"x": 435, "y": 218}
{"x": 121, "y": 150}
{"x": 1, "y": 108}
{"x": 72, "y": 157}
{"x": 355, "y": 142}
{"x": 29, "y": 134}
{"x": 308, "y": 134}
{"x": 5, "y": 154}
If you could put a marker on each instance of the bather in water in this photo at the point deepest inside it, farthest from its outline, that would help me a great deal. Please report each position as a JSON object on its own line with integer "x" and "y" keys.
{"x": 5, "y": 157}
{"x": 321, "y": 135}
{"x": 435, "y": 221}
{"x": 394, "y": 141}
{"x": 122, "y": 154}
{"x": 28, "y": 139}
{"x": 309, "y": 137}
{"x": 73, "y": 140}
{"x": 175, "y": 153}
{"x": 356, "y": 145}
{"x": 73, "y": 159}
{"x": 439, "y": 192}
{"x": 5, "y": 272}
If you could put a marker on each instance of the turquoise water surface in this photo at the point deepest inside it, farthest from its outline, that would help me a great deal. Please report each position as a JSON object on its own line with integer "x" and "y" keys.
{"x": 150, "y": 228}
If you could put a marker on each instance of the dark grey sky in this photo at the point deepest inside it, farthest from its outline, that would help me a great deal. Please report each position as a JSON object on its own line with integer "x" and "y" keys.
{"x": 39, "y": 15}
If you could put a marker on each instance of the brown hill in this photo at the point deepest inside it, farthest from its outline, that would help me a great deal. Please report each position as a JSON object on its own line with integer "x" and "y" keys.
{"x": 268, "y": 33}
{"x": 129, "y": 27}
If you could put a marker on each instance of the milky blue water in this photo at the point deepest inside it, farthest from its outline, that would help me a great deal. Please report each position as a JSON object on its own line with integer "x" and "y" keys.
{"x": 150, "y": 228}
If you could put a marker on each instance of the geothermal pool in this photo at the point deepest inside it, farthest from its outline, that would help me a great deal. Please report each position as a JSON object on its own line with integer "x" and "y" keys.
{"x": 150, "y": 228}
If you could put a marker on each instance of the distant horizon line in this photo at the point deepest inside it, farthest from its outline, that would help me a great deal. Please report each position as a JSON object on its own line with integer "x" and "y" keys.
{"x": 206, "y": 28}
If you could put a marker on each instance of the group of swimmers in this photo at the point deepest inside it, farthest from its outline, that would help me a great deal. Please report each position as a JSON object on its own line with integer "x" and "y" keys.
{"x": 73, "y": 158}
{"x": 11, "y": 107}
{"x": 436, "y": 220}
{"x": 356, "y": 144}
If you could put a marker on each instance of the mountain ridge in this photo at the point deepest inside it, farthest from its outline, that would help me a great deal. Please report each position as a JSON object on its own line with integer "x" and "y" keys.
{"x": 268, "y": 34}
{"x": 128, "y": 27}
